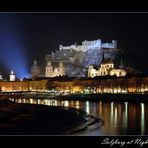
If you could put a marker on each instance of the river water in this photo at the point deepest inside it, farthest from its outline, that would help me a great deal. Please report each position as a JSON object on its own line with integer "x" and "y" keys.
{"x": 120, "y": 118}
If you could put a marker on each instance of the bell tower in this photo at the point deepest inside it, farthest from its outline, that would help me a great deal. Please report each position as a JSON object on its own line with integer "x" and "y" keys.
{"x": 1, "y": 77}
{"x": 49, "y": 70}
{"x": 12, "y": 76}
{"x": 61, "y": 69}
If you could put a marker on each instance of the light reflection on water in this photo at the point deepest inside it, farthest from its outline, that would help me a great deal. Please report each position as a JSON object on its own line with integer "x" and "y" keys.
{"x": 121, "y": 118}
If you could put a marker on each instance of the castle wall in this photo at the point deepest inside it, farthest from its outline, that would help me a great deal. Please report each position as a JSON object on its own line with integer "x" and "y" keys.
{"x": 86, "y": 45}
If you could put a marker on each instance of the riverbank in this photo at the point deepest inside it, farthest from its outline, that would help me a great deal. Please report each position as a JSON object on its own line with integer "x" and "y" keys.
{"x": 128, "y": 97}
{"x": 106, "y": 97}
{"x": 30, "y": 119}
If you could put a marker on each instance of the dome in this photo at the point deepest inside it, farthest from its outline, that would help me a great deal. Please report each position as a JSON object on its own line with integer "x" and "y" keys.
{"x": 35, "y": 68}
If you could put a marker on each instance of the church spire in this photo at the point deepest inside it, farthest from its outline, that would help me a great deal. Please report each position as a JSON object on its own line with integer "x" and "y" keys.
{"x": 12, "y": 76}
{"x": 11, "y": 72}
{"x": 1, "y": 76}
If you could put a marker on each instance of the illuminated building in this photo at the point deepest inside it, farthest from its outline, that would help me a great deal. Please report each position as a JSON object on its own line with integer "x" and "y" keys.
{"x": 106, "y": 68}
{"x": 134, "y": 84}
{"x": 86, "y": 45}
{"x": 77, "y": 58}
{"x": 12, "y": 76}
{"x": 56, "y": 71}
{"x": 118, "y": 72}
{"x": 1, "y": 77}
{"x": 28, "y": 85}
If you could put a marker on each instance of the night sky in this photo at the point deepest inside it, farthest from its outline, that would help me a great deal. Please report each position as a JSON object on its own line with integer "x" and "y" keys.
{"x": 26, "y": 36}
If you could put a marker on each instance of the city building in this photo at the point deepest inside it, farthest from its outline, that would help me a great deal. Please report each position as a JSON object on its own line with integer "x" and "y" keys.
{"x": 1, "y": 77}
{"x": 12, "y": 76}
{"x": 106, "y": 68}
{"x": 27, "y": 85}
{"x": 51, "y": 71}
{"x": 127, "y": 84}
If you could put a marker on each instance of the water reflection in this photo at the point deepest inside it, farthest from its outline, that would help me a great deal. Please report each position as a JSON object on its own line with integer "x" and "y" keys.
{"x": 142, "y": 118}
{"x": 120, "y": 118}
{"x": 87, "y": 107}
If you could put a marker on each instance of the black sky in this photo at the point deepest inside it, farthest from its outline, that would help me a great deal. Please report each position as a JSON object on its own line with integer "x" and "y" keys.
{"x": 41, "y": 33}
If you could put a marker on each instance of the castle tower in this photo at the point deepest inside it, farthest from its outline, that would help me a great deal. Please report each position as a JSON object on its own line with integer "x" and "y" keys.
{"x": 35, "y": 69}
{"x": 49, "y": 70}
{"x": 61, "y": 69}
{"x": 12, "y": 76}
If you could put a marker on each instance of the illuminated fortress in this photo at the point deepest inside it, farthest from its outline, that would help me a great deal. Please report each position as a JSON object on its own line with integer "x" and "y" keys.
{"x": 77, "y": 58}
{"x": 86, "y": 45}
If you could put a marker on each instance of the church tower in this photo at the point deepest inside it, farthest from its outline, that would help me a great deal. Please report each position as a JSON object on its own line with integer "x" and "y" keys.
{"x": 1, "y": 77}
{"x": 48, "y": 70}
{"x": 12, "y": 76}
{"x": 61, "y": 69}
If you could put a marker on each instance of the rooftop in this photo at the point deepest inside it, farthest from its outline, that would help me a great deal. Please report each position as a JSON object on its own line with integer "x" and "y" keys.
{"x": 107, "y": 61}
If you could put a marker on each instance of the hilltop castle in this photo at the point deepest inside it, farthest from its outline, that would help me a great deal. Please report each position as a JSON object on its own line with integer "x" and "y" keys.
{"x": 77, "y": 58}
{"x": 86, "y": 45}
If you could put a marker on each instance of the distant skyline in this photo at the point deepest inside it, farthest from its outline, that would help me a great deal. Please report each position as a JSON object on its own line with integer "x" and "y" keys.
{"x": 28, "y": 36}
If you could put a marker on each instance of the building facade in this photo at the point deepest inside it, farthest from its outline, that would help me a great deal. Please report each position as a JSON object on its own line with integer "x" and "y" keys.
{"x": 12, "y": 76}
{"x": 106, "y": 68}
{"x": 1, "y": 77}
{"x": 32, "y": 85}
{"x": 51, "y": 71}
